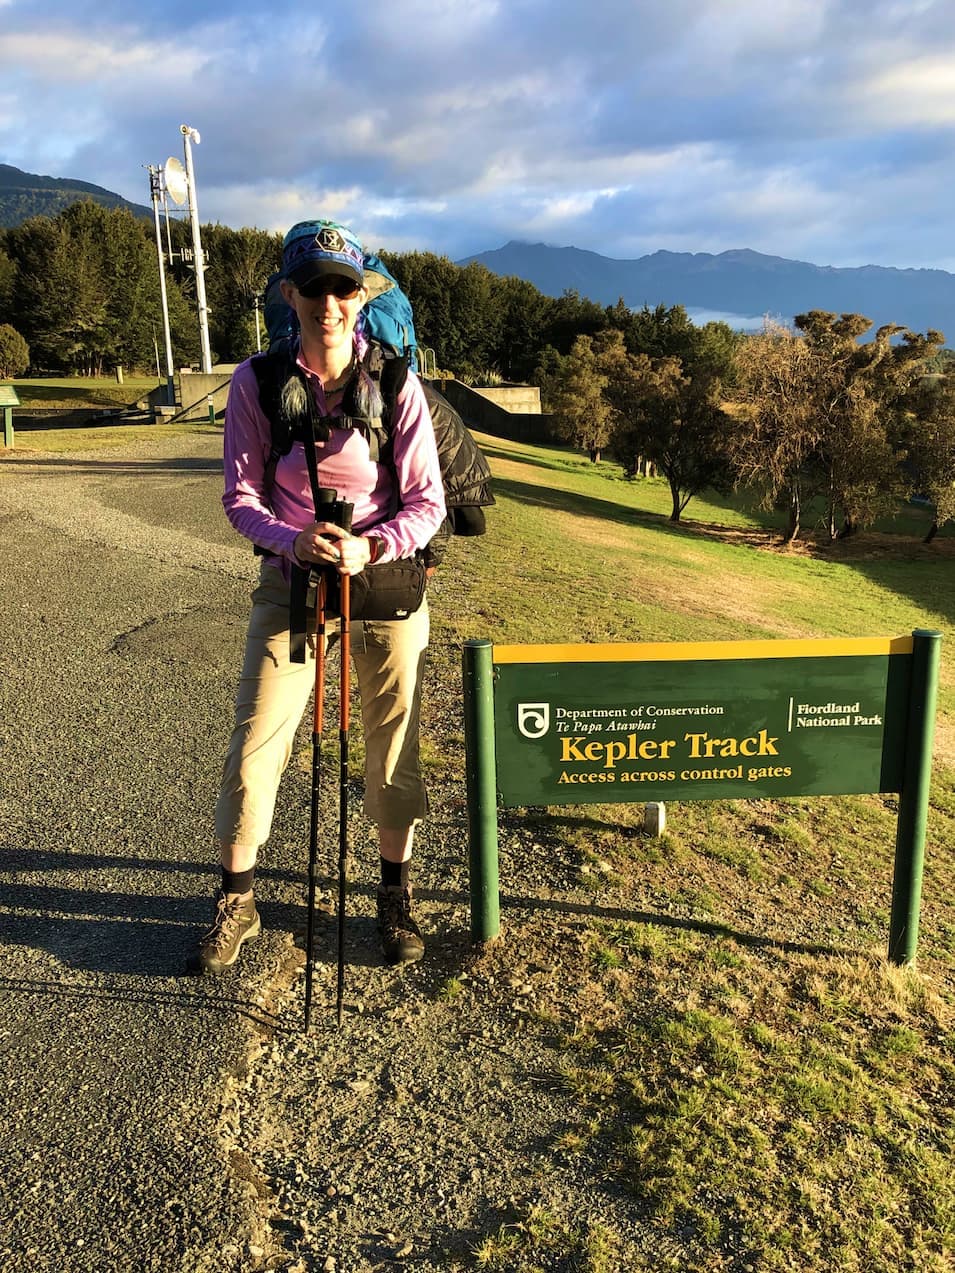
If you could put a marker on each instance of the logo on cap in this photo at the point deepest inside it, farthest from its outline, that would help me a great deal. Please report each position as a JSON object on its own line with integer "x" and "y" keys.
{"x": 330, "y": 240}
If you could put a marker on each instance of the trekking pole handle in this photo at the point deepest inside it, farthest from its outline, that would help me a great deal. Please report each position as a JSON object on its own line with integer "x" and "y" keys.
{"x": 329, "y": 508}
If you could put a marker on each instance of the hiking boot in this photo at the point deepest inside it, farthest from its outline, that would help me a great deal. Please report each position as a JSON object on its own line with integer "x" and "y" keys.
{"x": 235, "y": 922}
{"x": 400, "y": 936}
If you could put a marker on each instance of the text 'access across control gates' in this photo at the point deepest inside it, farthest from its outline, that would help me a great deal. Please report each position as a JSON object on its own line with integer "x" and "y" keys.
{"x": 699, "y": 721}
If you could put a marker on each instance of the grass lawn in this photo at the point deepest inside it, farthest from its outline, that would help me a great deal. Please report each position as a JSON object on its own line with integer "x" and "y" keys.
{"x": 82, "y": 392}
{"x": 101, "y": 437}
{"x": 79, "y": 394}
{"x": 742, "y": 1058}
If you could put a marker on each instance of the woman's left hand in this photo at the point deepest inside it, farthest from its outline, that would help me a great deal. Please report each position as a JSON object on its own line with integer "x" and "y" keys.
{"x": 354, "y": 551}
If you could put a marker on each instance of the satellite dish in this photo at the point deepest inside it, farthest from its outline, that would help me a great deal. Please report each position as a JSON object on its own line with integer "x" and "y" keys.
{"x": 176, "y": 182}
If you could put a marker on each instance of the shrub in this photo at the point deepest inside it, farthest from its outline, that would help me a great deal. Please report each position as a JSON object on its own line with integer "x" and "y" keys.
{"x": 14, "y": 352}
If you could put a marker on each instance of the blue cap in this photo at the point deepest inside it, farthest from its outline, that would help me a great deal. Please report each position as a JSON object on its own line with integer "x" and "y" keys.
{"x": 315, "y": 248}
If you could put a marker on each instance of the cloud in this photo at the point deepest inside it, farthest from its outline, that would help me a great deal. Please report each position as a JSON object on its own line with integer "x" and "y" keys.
{"x": 916, "y": 93}
{"x": 813, "y": 128}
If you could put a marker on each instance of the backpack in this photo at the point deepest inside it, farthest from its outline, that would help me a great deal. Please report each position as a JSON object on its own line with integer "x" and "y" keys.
{"x": 387, "y": 316}
{"x": 388, "y": 322}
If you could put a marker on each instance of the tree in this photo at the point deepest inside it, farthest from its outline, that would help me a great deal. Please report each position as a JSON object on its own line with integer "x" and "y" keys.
{"x": 8, "y": 275}
{"x": 828, "y": 415}
{"x": 669, "y": 416}
{"x": 571, "y": 316}
{"x": 546, "y": 376}
{"x": 661, "y": 332}
{"x": 931, "y": 447}
{"x": 86, "y": 291}
{"x": 477, "y": 319}
{"x": 43, "y": 296}
{"x": 238, "y": 266}
{"x": 523, "y": 316}
{"x": 14, "y": 352}
{"x": 629, "y": 378}
{"x": 771, "y": 452}
{"x": 123, "y": 284}
{"x": 582, "y": 415}
{"x": 859, "y": 395}
{"x": 428, "y": 282}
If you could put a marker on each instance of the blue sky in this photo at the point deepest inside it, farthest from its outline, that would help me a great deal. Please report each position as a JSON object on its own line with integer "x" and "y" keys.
{"x": 822, "y": 130}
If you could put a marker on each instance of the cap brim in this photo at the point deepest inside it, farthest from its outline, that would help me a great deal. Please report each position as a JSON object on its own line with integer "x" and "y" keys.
{"x": 308, "y": 271}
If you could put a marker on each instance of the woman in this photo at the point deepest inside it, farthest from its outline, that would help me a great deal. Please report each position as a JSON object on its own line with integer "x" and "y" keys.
{"x": 324, "y": 284}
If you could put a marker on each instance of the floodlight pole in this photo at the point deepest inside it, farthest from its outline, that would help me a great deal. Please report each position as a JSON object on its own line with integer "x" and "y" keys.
{"x": 190, "y": 135}
{"x": 155, "y": 188}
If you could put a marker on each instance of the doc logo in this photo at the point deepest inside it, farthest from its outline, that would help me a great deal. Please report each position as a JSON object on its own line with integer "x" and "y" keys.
{"x": 533, "y": 719}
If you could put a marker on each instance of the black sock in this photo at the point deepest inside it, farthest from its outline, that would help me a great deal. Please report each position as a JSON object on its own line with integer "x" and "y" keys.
{"x": 237, "y": 881}
{"x": 395, "y": 874}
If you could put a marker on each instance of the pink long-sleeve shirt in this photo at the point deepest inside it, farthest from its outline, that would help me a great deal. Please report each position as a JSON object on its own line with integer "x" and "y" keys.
{"x": 274, "y": 518}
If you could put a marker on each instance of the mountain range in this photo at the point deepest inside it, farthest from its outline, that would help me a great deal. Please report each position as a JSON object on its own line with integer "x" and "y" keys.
{"x": 27, "y": 194}
{"x": 741, "y": 287}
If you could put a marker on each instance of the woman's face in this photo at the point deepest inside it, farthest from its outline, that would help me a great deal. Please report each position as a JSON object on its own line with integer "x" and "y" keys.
{"x": 327, "y": 311}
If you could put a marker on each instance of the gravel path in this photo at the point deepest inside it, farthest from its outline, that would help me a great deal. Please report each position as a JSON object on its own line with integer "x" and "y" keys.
{"x": 160, "y": 1122}
{"x": 430, "y": 1119}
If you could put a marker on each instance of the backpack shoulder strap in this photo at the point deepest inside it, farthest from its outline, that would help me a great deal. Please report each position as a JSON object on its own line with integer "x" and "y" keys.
{"x": 394, "y": 375}
{"x": 388, "y": 373}
{"x": 272, "y": 370}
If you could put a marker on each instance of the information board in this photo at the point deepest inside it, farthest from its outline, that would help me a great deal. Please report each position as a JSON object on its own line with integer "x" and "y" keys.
{"x": 699, "y": 721}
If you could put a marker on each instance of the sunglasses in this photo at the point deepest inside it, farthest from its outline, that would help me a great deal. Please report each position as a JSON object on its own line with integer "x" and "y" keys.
{"x": 343, "y": 289}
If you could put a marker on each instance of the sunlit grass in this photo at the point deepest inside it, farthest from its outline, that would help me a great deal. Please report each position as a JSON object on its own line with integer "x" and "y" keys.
{"x": 739, "y": 1056}
{"x": 782, "y": 1107}
{"x": 82, "y": 391}
{"x": 68, "y": 441}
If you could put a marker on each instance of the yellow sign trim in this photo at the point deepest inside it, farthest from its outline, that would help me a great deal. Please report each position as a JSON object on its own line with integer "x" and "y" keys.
{"x": 684, "y": 651}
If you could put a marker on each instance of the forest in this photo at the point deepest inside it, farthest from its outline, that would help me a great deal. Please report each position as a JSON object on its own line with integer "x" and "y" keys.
{"x": 825, "y": 409}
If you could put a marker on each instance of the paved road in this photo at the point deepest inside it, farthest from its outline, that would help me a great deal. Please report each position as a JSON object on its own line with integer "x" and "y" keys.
{"x": 125, "y": 595}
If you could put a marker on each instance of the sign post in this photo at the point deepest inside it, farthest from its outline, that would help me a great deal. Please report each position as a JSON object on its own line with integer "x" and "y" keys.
{"x": 482, "y": 796}
{"x": 701, "y": 721}
{"x": 913, "y": 799}
{"x": 8, "y": 400}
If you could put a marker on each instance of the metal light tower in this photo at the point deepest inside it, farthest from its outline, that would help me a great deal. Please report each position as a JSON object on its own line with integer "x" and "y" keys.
{"x": 155, "y": 189}
{"x": 191, "y": 135}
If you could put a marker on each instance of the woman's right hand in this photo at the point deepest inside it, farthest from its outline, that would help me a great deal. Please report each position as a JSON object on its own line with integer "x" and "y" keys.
{"x": 313, "y": 545}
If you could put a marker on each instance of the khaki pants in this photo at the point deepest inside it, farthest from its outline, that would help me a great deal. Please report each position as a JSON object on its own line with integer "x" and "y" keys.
{"x": 273, "y": 693}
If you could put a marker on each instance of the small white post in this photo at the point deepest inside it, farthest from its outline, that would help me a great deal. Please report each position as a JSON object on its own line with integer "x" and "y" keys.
{"x": 655, "y": 817}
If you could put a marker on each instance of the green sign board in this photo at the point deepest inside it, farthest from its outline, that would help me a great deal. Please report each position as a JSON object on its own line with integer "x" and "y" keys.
{"x": 699, "y": 721}
{"x": 572, "y": 724}
{"x": 8, "y": 396}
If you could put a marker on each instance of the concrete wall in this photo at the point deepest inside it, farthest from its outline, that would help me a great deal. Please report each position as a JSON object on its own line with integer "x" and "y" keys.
{"x": 520, "y": 399}
{"x": 512, "y": 412}
{"x": 193, "y": 389}
{"x": 480, "y": 411}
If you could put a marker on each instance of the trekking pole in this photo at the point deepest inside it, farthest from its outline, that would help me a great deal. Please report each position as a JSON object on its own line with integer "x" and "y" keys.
{"x": 324, "y": 503}
{"x": 343, "y": 717}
